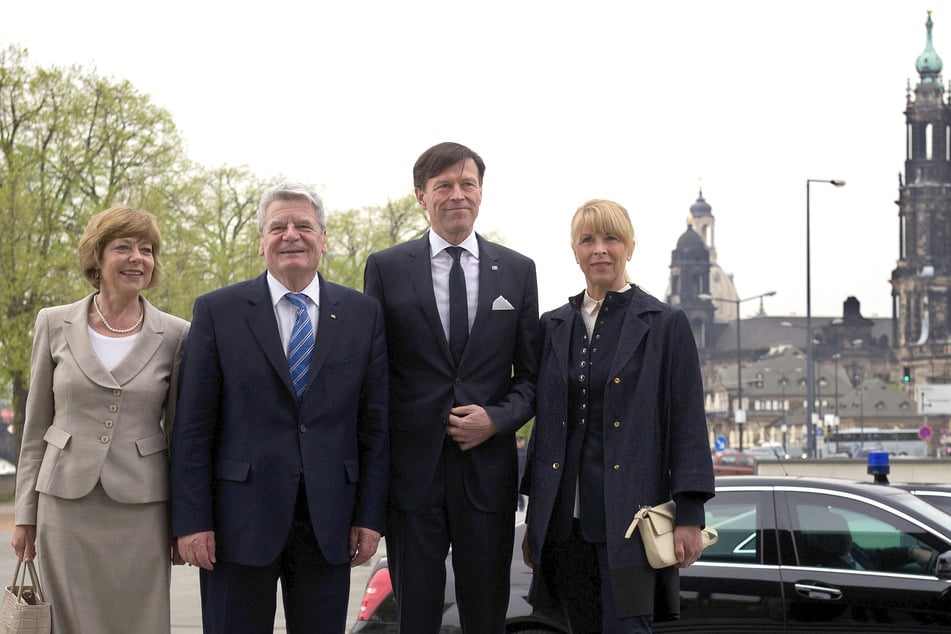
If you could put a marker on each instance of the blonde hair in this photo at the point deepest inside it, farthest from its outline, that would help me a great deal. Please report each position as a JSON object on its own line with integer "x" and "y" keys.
{"x": 113, "y": 223}
{"x": 603, "y": 216}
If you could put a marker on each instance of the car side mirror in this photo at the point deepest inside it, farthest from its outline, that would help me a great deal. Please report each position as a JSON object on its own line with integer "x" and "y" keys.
{"x": 943, "y": 566}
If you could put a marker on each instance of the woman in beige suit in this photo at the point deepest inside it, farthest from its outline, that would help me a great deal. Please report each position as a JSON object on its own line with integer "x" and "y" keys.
{"x": 92, "y": 480}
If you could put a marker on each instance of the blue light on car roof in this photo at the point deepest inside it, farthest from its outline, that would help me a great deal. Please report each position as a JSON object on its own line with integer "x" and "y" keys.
{"x": 878, "y": 466}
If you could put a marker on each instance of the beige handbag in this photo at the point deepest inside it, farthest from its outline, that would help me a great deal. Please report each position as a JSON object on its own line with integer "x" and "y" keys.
{"x": 657, "y": 533}
{"x": 24, "y": 609}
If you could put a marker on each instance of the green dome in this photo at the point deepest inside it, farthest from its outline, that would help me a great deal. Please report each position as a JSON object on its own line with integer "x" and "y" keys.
{"x": 929, "y": 63}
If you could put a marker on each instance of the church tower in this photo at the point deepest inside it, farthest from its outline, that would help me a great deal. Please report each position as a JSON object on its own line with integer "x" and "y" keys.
{"x": 690, "y": 278}
{"x": 921, "y": 281}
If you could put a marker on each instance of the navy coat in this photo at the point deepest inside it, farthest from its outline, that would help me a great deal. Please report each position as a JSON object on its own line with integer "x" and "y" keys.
{"x": 654, "y": 379}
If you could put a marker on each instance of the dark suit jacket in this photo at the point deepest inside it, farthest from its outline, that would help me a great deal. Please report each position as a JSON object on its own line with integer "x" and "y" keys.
{"x": 654, "y": 380}
{"x": 497, "y": 370}
{"x": 241, "y": 443}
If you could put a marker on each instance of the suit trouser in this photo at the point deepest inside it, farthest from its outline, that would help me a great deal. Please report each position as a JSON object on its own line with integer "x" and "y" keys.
{"x": 417, "y": 544}
{"x": 238, "y": 599}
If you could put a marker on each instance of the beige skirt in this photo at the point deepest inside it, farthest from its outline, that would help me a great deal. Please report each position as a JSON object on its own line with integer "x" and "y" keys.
{"x": 105, "y": 566}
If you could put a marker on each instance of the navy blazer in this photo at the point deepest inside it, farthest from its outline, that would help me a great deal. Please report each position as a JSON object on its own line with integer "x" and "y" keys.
{"x": 654, "y": 379}
{"x": 497, "y": 370}
{"x": 241, "y": 443}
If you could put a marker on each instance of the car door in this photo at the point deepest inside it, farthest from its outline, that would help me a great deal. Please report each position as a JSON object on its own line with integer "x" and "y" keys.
{"x": 736, "y": 584}
{"x": 854, "y": 566}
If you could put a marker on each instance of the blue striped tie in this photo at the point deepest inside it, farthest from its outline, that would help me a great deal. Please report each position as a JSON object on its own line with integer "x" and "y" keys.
{"x": 302, "y": 344}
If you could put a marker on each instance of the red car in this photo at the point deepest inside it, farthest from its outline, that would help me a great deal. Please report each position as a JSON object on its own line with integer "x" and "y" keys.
{"x": 734, "y": 463}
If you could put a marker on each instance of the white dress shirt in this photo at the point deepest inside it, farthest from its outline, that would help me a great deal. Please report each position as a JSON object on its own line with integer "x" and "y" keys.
{"x": 589, "y": 312}
{"x": 284, "y": 311}
{"x": 441, "y": 262}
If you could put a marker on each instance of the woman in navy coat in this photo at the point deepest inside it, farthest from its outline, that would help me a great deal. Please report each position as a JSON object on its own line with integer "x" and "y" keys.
{"x": 619, "y": 424}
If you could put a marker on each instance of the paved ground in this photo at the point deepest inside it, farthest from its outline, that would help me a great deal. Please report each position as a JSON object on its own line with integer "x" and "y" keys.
{"x": 186, "y": 607}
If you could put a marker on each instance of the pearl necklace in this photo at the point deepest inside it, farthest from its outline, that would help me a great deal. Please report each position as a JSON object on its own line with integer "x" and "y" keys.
{"x": 118, "y": 331}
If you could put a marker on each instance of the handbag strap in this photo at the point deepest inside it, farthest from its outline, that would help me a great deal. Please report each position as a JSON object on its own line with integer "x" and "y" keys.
{"x": 16, "y": 574}
{"x": 641, "y": 514}
{"x": 35, "y": 578}
{"x": 19, "y": 580}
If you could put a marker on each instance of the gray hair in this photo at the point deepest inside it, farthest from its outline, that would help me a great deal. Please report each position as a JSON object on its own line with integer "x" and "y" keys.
{"x": 291, "y": 191}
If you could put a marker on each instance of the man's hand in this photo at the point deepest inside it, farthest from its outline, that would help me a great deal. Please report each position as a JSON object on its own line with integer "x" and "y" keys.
{"x": 688, "y": 544}
{"x": 363, "y": 544}
{"x": 177, "y": 559}
{"x": 527, "y": 553}
{"x": 198, "y": 549}
{"x": 470, "y": 426}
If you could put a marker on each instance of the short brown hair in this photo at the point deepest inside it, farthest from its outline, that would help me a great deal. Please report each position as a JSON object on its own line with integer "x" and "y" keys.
{"x": 439, "y": 158}
{"x": 113, "y": 223}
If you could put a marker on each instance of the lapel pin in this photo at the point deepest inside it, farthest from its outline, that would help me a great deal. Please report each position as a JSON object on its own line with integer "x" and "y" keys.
{"x": 332, "y": 316}
{"x": 495, "y": 267}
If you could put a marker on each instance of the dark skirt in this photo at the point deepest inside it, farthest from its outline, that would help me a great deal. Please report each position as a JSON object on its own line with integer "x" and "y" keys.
{"x": 567, "y": 582}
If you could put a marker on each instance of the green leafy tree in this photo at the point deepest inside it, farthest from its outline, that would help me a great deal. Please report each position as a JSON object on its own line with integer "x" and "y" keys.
{"x": 209, "y": 233}
{"x": 71, "y": 143}
{"x": 354, "y": 234}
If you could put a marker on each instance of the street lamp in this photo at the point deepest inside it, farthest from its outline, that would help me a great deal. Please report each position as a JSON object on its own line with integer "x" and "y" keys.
{"x": 835, "y": 359}
{"x": 739, "y": 415}
{"x": 810, "y": 396}
{"x": 783, "y": 382}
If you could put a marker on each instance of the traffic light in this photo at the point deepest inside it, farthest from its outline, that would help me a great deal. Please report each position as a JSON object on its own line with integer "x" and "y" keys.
{"x": 906, "y": 374}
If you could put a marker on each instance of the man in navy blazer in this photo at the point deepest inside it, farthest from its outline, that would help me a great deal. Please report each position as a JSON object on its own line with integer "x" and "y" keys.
{"x": 270, "y": 481}
{"x": 453, "y": 423}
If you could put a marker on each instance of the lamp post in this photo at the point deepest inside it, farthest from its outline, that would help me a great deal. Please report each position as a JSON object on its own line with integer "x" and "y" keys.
{"x": 784, "y": 428}
{"x": 810, "y": 397}
{"x": 739, "y": 416}
{"x": 835, "y": 417}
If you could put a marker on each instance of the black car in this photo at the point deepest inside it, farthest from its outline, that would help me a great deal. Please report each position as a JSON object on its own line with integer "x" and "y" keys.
{"x": 795, "y": 554}
{"x": 936, "y": 494}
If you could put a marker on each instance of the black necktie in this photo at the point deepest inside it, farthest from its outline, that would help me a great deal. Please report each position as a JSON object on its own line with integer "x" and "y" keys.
{"x": 458, "y": 306}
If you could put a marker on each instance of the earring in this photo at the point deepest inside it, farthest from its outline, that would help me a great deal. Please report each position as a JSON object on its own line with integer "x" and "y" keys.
{"x": 97, "y": 274}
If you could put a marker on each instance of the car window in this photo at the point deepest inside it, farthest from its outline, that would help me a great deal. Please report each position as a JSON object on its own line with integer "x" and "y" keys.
{"x": 734, "y": 515}
{"x": 839, "y": 532}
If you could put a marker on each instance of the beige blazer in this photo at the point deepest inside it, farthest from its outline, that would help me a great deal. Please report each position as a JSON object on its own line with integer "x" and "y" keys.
{"x": 85, "y": 424}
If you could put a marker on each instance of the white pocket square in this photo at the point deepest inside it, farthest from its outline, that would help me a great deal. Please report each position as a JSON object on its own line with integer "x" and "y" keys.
{"x": 501, "y": 303}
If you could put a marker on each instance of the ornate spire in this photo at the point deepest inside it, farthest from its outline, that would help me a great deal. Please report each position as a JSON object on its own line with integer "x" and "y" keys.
{"x": 929, "y": 63}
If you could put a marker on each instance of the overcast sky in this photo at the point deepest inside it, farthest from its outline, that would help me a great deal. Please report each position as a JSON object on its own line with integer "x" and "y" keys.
{"x": 641, "y": 102}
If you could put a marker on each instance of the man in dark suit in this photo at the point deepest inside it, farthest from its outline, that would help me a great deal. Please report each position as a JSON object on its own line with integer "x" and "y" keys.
{"x": 279, "y": 459}
{"x": 462, "y": 380}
